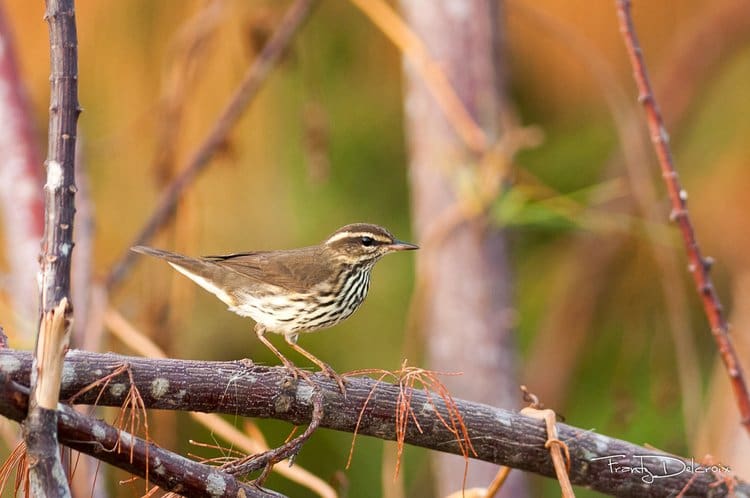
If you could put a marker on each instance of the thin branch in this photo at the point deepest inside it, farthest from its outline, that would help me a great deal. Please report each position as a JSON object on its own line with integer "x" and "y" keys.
{"x": 250, "y": 440}
{"x": 268, "y": 459}
{"x": 243, "y": 96}
{"x": 498, "y": 436}
{"x": 644, "y": 195}
{"x": 699, "y": 266}
{"x": 57, "y": 246}
{"x": 94, "y": 437}
{"x": 46, "y": 474}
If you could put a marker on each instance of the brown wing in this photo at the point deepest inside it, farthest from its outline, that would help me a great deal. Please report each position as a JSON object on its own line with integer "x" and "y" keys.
{"x": 296, "y": 270}
{"x": 205, "y": 272}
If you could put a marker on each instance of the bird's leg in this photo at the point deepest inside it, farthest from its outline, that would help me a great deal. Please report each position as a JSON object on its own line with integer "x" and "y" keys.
{"x": 260, "y": 331}
{"x": 324, "y": 367}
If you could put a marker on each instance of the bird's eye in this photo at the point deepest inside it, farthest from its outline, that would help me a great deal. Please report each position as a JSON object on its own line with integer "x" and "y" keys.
{"x": 367, "y": 241}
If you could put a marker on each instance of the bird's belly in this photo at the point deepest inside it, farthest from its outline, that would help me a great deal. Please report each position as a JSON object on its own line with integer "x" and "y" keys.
{"x": 276, "y": 313}
{"x": 297, "y": 314}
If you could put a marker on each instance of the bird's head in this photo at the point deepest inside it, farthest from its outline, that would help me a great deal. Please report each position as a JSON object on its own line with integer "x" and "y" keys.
{"x": 364, "y": 243}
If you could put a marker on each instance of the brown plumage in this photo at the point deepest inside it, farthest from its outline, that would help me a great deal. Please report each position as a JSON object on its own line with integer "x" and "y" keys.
{"x": 297, "y": 290}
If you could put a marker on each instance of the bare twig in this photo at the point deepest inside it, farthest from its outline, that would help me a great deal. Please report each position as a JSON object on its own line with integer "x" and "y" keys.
{"x": 57, "y": 246}
{"x": 46, "y": 475}
{"x": 268, "y": 459}
{"x": 245, "y": 93}
{"x": 499, "y": 436}
{"x": 251, "y": 441}
{"x": 635, "y": 150}
{"x": 699, "y": 266}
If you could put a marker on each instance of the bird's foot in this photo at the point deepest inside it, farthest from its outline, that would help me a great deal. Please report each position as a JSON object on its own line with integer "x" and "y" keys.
{"x": 329, "y": 372}
{"x": 297, "y": 373}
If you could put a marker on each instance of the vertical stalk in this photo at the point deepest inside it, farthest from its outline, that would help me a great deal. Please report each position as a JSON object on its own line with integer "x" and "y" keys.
{"x": 46, "y": 475}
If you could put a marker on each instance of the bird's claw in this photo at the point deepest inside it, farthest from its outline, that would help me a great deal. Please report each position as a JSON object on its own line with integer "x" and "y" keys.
{"x": 331, "y": 374}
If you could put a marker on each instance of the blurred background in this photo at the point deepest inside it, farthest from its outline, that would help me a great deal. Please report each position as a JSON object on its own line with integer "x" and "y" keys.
{"x": 609, "y": 330}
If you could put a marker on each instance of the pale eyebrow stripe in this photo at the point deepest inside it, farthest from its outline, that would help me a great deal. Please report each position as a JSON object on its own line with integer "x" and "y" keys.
{"x": 347, "y": 235}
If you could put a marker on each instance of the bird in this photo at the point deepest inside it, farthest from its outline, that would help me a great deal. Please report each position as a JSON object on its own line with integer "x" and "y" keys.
{"x": 293, "y": 291}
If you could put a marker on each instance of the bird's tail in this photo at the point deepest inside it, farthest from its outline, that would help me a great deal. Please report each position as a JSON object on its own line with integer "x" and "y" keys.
{"x": 194, "y": 265}
{"x": 207, "y": 274}
{"x": 172, "y": 257}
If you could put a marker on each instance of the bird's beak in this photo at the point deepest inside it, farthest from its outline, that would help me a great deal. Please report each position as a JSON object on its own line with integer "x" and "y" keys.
{"x": 400, "y": 245}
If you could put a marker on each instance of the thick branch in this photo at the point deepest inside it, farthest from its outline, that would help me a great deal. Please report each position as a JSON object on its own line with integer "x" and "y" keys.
{"x": 498, "y": 436}
{"x": 167, "y": 470}
{"x": 470, "y": 62}
{"x": 699, "y": 266}
{"x": 247, "y": 90}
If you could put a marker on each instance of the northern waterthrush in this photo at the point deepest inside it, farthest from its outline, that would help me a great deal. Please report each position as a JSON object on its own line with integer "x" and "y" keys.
{"x": 293, "y": 291}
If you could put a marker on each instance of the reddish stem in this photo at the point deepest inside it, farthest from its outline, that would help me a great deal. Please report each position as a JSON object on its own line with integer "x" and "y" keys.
{"x": 698, "y": 265}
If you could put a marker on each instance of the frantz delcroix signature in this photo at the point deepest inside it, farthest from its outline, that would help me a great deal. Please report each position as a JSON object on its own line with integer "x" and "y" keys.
{"x": 653, "y": 467}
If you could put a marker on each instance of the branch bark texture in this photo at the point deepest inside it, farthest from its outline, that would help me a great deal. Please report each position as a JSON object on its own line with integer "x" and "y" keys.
{"x": 46, "y": 475}
{"x": 145, "y": 459}
{"x": 499, "y": 436}
{"x": 59, "y": 191}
